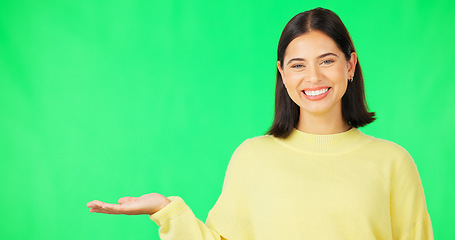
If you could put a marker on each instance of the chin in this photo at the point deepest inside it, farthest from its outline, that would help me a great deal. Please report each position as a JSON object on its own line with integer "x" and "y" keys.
{"x": 319, "y": 109}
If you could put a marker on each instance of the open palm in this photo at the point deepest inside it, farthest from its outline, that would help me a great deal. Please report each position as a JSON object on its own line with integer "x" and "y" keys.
{"x": 145, "y": 204}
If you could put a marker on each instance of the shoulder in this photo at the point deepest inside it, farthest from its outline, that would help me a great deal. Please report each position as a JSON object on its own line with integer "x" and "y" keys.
{"x": 387, "y": 145}
{"x": 253, "y": 148}
{"x": 257, "y": 141}
{"x": 389, "y": 153}
{"x": 390, "y": 156}
{"x": 255, "y": 145}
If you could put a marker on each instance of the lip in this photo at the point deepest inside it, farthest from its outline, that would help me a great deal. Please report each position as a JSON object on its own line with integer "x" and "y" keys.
{"x": 315, "y": 88}
{"x": 318, "y": 97}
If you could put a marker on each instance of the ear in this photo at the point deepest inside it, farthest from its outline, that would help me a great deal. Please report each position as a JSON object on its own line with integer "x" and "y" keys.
{"x": 278, "y": 65}
{"x": 351, "y": 65}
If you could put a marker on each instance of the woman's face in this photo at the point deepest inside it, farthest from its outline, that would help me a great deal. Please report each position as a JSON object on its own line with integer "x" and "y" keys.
{"x": 315, "y": 73}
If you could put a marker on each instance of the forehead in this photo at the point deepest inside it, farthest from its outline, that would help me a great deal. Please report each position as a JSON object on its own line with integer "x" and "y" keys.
{"x": 311, "y": 45}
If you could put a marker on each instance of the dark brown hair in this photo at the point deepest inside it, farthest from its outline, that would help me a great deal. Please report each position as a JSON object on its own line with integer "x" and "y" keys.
{"x": 354, "y": 106}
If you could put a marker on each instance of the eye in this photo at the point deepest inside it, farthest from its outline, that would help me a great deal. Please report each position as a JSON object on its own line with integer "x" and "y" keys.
{"x": 298, "y": 66}
{"x": 329, "y": 61}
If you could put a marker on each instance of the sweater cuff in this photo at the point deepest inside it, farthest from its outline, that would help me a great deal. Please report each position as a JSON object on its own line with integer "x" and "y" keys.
{"x": 176, "y": 207}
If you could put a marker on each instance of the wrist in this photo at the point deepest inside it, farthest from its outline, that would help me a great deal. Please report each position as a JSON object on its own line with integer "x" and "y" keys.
{"x": 165, "y": 201}
{"x": 175, "y": 208}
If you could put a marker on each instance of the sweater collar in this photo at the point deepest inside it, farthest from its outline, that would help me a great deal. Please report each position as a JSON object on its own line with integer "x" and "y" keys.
{"x": 331, "y": 143}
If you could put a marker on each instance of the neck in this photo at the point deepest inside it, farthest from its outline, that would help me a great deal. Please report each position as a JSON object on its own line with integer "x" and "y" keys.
{"x": 322, "y": 124}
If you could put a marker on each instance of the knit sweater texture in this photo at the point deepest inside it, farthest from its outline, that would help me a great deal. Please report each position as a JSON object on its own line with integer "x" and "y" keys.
{"x": 338, "y": 186}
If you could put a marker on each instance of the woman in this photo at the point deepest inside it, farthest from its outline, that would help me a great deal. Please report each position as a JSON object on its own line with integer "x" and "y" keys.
{"x": 315, "y": 175}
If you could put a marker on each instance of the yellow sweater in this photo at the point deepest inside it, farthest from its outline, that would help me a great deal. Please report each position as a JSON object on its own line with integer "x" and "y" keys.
{"x": 340, "y": 186}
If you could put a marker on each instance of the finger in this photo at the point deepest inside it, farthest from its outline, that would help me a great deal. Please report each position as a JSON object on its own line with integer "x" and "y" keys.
{"x": 115, "y": 208}
{"x": 108, "y": 208}
{"x": 102, "y": 210}
{"x": 95, "y": 203}
{"x": 126, "y": 199}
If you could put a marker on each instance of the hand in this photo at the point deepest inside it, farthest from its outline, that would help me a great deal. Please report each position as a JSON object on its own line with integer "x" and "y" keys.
{"x": 145, "y": 204}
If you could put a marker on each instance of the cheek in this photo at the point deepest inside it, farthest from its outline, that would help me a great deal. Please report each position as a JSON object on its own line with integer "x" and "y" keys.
{"x": 291, "y": 82}
{"x": 338, "y": 75}
{"x": 292, "y": 79}
{"x": 341, "y": 84}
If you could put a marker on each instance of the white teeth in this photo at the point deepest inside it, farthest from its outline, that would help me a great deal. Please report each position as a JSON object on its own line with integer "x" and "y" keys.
{"x": 317, "y": 92}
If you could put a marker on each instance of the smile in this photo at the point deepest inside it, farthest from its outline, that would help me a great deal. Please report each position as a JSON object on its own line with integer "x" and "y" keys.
{"x": 316, "y": 92}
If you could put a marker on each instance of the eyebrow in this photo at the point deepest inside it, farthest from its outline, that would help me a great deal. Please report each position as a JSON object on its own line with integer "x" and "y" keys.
{"x": 321, "y": 56}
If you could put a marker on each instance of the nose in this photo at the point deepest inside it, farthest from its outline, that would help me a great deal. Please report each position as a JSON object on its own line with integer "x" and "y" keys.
{"x": 313, "y": 74}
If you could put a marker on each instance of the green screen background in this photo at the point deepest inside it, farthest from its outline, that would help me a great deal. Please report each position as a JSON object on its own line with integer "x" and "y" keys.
{"x": 105, "y": 99}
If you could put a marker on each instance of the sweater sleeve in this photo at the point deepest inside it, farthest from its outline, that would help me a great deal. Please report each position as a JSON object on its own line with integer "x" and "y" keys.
{"x": 408, "y": 211}
{"x": 177, "y": 221}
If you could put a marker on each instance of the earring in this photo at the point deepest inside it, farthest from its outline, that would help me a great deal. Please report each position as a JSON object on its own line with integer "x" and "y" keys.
{"x": 351, "y": 79}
